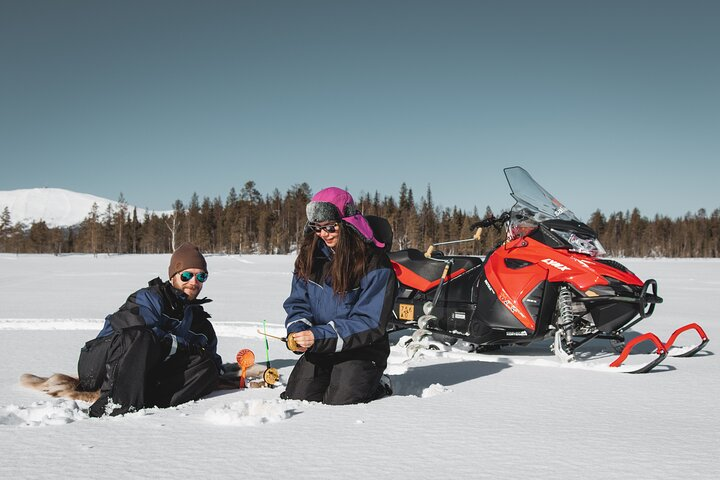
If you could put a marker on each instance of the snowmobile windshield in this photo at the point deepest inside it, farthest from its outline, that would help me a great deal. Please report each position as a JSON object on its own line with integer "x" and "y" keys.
{"x": 534, "y": 199}
{"x": 534, "y": 205}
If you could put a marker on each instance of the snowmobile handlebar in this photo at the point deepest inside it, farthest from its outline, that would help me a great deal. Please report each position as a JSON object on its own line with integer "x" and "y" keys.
{"x": 492, "y": 221}
{"x": 476, "y": 236}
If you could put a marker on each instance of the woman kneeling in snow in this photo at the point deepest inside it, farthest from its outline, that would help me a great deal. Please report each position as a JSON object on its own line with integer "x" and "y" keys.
{"x": 342, "y": 296}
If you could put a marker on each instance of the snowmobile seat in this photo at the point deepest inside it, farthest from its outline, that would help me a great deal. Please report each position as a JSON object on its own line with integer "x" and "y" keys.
{"x": 382, "y": 230}
{"x": 415, "y": 261}
{"x": 423, "y": 273}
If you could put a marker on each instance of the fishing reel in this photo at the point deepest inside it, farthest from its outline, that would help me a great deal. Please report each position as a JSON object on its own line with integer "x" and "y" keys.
{"x": 252, "y": 374}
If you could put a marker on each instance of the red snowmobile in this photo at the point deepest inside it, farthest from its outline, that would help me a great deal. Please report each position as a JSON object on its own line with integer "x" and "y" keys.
{"x": 546, "y": 280}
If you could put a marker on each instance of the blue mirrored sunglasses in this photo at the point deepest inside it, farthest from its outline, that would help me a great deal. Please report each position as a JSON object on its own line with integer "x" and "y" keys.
{"x": 187, "y": 276}
{"x": 332, "y": 228}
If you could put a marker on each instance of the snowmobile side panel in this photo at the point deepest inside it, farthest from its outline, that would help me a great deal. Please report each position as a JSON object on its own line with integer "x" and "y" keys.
{"x": 511, "y": 285}
{"x": 491, "y": 313}
{"x": 581, "y": 271}
{"x": 459, "y": 289}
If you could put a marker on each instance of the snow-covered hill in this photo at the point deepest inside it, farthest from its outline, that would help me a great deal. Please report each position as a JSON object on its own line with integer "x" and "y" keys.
{"x": 55, "y": 206}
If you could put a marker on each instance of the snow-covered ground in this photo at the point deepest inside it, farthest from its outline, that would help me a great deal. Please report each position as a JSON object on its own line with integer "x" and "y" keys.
{"x": 515, "y": 415}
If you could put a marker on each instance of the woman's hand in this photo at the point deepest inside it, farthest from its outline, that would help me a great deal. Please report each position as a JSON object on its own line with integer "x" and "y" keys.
{"x": 304, "y": 340}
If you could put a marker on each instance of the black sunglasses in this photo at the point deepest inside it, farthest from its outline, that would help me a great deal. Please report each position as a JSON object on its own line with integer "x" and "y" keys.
{"x": 187, "y": 276}
{"x": 328, "y": 228}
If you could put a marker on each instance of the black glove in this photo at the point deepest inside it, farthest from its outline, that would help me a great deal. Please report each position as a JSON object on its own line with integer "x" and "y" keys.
{"x": 166, "y": 345}
{"x": 195, "y": 349}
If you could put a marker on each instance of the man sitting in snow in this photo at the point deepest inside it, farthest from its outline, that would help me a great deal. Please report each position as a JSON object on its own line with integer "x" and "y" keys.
{"x": 158, "y": 349}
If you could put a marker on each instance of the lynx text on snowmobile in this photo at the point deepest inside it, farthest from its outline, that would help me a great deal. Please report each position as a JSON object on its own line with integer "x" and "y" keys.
{"x": 546, "y": 280}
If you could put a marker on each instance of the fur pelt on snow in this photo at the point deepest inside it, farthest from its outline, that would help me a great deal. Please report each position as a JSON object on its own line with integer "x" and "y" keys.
{"x": 65, "y": 386}
{"x": 59, "y": 385}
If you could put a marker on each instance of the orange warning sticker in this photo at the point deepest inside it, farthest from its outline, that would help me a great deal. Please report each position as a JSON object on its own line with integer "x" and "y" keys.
{"x": 407, "y": 312}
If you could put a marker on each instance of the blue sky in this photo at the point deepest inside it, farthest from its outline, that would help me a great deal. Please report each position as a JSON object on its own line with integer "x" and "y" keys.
{"x": 610, "y": 105}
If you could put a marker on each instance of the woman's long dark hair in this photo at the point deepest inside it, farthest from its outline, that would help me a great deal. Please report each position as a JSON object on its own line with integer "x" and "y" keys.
{"x": 349, "y": 262}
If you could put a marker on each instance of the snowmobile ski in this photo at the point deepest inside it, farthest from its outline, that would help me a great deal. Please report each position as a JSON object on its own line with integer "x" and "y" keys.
{"x": 689, "y": 350}
{"x": 661, "y": 353}
{"x": 416, "y": 346}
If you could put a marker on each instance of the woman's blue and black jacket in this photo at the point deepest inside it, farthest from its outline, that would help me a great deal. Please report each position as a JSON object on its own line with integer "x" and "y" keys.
{"x": 353, "y": 325}
{"x": 178, "y": 324}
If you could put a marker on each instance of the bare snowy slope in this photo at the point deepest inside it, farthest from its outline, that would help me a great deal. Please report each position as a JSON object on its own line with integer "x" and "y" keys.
{"x": 56, "y": 206}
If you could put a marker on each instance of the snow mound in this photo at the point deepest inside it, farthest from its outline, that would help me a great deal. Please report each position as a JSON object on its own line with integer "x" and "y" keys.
{"x": 434, "y": 390}
{"x": 253, "y": 412}
{"x": 53, "y": 412}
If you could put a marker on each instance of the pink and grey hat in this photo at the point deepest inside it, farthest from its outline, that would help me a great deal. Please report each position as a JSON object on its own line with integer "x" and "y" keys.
{"x": 334, "y": 204}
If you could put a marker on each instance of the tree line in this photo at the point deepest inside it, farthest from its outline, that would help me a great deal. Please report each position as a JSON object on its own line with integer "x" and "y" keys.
{"x": 247, "y": 222}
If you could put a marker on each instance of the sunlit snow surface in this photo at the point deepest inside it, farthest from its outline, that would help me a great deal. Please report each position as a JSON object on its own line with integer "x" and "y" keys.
{"x": 516, "y": 413}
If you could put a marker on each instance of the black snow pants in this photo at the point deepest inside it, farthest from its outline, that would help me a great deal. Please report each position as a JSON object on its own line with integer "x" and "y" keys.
{"x": 335, "y": 379}
{"x": 130, "y": 369}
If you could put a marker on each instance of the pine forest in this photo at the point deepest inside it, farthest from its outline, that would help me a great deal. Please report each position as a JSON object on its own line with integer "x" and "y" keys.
{"x": 247, "y": 222}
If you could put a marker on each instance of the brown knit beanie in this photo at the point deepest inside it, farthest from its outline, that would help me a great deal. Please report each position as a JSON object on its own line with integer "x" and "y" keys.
{"x": 186, "y": 256}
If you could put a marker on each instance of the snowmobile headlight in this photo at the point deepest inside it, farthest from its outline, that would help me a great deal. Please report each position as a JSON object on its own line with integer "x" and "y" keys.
{"x": 587, "y": 246}
{"x": 519, "y": 229}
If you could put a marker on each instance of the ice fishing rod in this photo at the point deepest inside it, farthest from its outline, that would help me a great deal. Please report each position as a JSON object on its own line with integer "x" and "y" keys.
{"x": 267, "y": 347}
{"x": 290, "y": 341}
{"x": 270, "y": 375}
